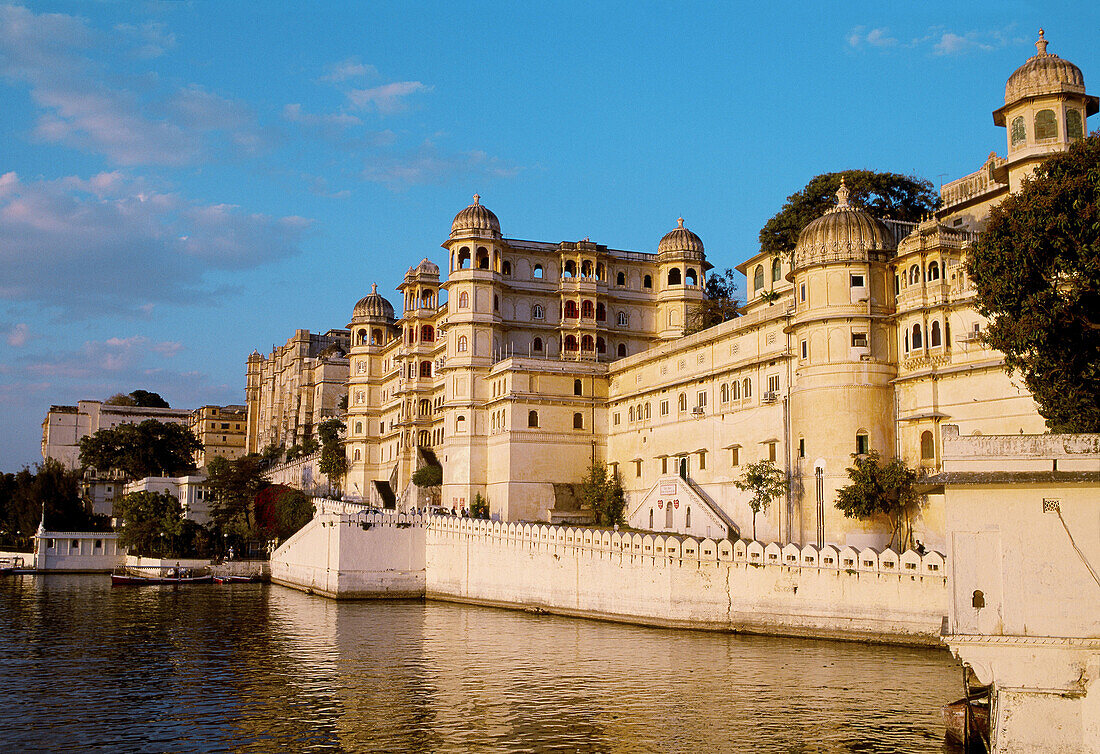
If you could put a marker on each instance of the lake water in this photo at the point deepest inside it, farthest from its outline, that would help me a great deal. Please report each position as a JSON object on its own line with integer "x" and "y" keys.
{"x": 85, "y": 666}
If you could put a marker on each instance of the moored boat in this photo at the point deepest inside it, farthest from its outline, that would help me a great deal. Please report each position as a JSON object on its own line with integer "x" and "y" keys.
{"x": 967, "y": 721}
{"x": 142, "y": 576}
{"x": 236, "y": 579}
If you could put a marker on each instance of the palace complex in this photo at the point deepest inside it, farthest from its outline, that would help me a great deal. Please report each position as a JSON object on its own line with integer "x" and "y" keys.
{"x": 529, "y": 360}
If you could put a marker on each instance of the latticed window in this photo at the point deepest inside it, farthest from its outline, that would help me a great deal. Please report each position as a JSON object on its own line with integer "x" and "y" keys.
{"x": 758, "y": 277}
{"x": 1046, "y": 127}
{"x": 1019, "y": 130}
{"x": 1074, "y": 127}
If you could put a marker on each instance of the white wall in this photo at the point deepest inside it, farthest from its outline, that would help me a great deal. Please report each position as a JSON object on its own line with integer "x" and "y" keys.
{"x": 77, "y": 551}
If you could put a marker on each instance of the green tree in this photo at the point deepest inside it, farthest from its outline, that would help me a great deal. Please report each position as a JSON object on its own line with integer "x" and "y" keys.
{"x": 602, "y": 493}
{"x": 281, "y": 511}
{"x": 152, "y": 524}
{"x": 235, "y": 485}
{"x": 151, "y": 448}
{"x": 50, "y": 490}
{"x": 766, "y": 482}
{"x": 428, "y": 475}
{"x": 479, "y": 508}
{"x": 881, "y": 489}
{"x": 720, "y": 305}
{"x": 143, "y": 398}
{"x": 334, "y": 460}
{"x": 271, "y": 453}
{"x": 899, "y": 197}
{"x": 1036, "y": 268}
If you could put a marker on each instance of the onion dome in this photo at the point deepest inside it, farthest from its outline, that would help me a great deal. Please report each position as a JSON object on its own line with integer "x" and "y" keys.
{"x": 844, "y": 233}
{"x": 1044, "y": 73}
{"x": 427, "y": 267}
{"x": 680, "y": 239}
{"x": 373, "y": 306}
{"x": 476, "y": 220}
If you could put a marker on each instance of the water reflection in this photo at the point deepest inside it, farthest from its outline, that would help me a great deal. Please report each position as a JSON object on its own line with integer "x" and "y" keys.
{"x": 252, "y": 668}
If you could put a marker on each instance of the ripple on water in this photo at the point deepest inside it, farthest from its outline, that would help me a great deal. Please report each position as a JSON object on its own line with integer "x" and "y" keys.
{"x": 253, "y": 668}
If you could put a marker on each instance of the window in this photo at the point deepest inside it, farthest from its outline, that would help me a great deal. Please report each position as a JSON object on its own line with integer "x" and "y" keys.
{"x": 358, "y": 455}
{"x": 537, "y": 312}
{"x": 735, "y": 390}
{"x": 578, "y": 421}
{"x": 863, "y": 444}
{"x": 464, "y": 258}
{"x": 570, "y": 269}
{"x": 496, "y": 303}
{"x": 587, "y": 309}
{"x": 805, "y": 349}
{"x": 914, "y": 274}
{"x": 586, "y": 269}
{"x": 647, "y": 282}
{"x": 758, "y": 277}
{"x": 577, "y": 387}
{"x": 1046, "y": 127}
{"x": 897, "y": 285}
{"x": 462, "y": 343}
{"x": 1019, "y": 131}
{"x": 538, "y": 272}
{"x": 664, "y": 408}
{"x": 917, "y": 340}
{"x": 620, "y": 279}
{"x": 700, "y": 399}
{"x": 460, "y": 424}
{"x": 724, "y": 391}
{"x": 358, "y": 428}
{"x": 570, "y": 343}
{"x": 427, "y": 333}
{"x": 464, "y": 300}
{"x": 858, "y": 281}
{"x": 934, "y": 338}
{"x": 586, "y": 343}
{"x": 801, "y": 447}
{"x": 859, "y": 340}
{"x": 638, "y": 467}
{"x": 702, "y": 460}
{"x": 777, "y": 270}
{"x": 802, "y": 293}
{"x": 532, "y": 418}
{"x": 773, "y": 383}
{"x": 630, "y": 414}
{"x": 690, "y": 278}
{"x": 621, "y": 319}
{"x": 506, "y": 267}
{"x": 771, "y": 451}
{"x": 674, "y": 276}
{"x": 601, "y": 312}
{"x": 683, "y": 404}
{"x": 622, "y": 350}
{"x": 536, "y": 345}
{"x": 746, "y": 388}
{"x": 927, "y": 446}
{"x": 1074, "y": 127}
{"x": 482, "y": 258}
{"x": 601, "y": 345}
{"x": 664, "y": 464}
{"x": 615, "y": 419}
{"x": 571, "y": 309}
{"x": 425, "y": 369}
{"x": 933, "y": 271}
{"x": 646, "y": 411}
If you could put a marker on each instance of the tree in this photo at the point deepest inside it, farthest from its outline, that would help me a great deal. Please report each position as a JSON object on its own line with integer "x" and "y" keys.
{"x": 334, "y": 461}
{"x": 143, "y": 398}
{"x": 1036, "y": 268}
{"x": 235, "y": 485}
{"x": 766, "y": 482}
{"x": 899, "y": 197}
{"x": 479, "y": 508}
{"x": 879, "y": 489}
{"x": 428, "y": 475}
{"x": 153, "y": 525}
{"x": 281, "y": 511}
{"x": 151, "y": 448}
{"x": 720, "y": 304}
{"x": 50, "y": 490}
{"x": 602, "y": 493}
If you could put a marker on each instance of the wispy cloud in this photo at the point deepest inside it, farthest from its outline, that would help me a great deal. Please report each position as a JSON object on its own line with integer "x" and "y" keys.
{"x": 878, "y": 37}
{"x": 387, "y": 98}
{"x": 18, "y": 335}
{"x": 152, "y": 38}
{"x": 350, "y": 68}
{"x": 938, "y": 40}
{"x": 427, "y": 164}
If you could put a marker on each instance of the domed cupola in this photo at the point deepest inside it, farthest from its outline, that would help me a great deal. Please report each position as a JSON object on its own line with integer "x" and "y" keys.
{"x": 844, "y": 233}
{"x": 427, "y": 267}
{"x": 1042, "y": 75}
{"x": 372, "y": 308}
{"x": 680, "y": 239}
{"x": 476, "y": 221}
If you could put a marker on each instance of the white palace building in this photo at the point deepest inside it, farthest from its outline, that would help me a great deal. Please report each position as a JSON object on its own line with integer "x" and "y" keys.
{"x": 529, "y": 360}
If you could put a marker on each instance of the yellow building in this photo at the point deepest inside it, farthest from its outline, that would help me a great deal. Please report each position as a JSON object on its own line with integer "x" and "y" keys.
{"x": 545, "y": 357}
{"x": 221, "y": 430}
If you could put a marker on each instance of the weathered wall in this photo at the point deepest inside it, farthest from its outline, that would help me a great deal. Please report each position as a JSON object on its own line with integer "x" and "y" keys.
{"x": 77, "y": 551}
{"x": 684, "y": 582}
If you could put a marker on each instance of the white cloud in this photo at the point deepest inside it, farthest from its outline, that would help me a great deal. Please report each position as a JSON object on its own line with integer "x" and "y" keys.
{"x": 351, "y": 68}
{"x": 937, "y": 41}
{"x": 388, "y": 98}
{"x": 152, "y": 38}
{"x": 294, "y": 114}
{"x": 428, "y": 165}
{"x": 878, "y": 37}
{"x": 953, "y": 44}
{"x": 116, "y": 243}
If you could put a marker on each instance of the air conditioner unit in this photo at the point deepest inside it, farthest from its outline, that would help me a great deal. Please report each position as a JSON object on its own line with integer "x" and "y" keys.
{"x": 698, "y": 411}
{"x": 771, "y": 396}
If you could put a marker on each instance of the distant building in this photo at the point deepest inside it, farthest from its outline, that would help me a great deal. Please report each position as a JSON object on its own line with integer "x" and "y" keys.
{"x": 221, "y": 430}
{"x": 65, "y": 426}
{"x": 192, "y": 492}
{"x": 294, "y": 389}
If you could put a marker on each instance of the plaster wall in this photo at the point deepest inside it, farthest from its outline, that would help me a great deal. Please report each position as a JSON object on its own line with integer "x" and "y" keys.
{"x": 77, "y": 551}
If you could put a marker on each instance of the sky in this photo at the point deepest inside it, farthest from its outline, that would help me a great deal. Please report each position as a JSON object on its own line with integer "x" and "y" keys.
{"x": 184, "y": 182}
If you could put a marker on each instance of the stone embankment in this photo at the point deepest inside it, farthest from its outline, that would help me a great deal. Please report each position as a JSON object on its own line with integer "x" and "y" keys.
{"x": 675, "y": 581}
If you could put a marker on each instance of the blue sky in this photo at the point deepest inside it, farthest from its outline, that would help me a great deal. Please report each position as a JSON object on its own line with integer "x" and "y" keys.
{"x": 183, "y": 182}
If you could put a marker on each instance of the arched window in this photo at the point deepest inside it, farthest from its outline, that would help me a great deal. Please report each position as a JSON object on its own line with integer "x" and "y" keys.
{"x": 645, "y": 408}
{"x": 358, "y": 455}
{"x": 536, "y": 345}
{"x": 927, "y": 446}
{"x": 496, "y": 303}
{"x": 735, "y": 390}
{"x": 620, "y": 279}
{"x": 906, "y": 344}
{"x": 464, "y": 258}
{"x": 425, "y": 407}
{"x": 586, "y": 343}
{"x": 601, "y": 312}
{"x": 482, "y": 258}
{"x": 758, "y": 277}
{"x": 587, "y": 310}
{"x": 683, "y": 402}
{"x": 725, "y": 393}
{"x": 577, "y": 387}
{"x": 532, "y": 418}
{"x": 933, "y": 270}
{"x": 460, "y": 424}
{"x": 427, "y": 333}
{"x": 1046, "y": 126}
{"x": 578, "y": 421}
{"x": 863, "y": 443}
{"x": 674, "y": 276}
{"x": 1074, "y": 127}
{"x": 570, "y": 269}
{"x": 537, "y": 312}
{"x": 746, "y": 388}
{"x": 1019, "y": 130}
{"x": 538, "y": 272}
{"x": 358, "y": 428}
{"x": 622, "y": 350}
{"x": 361, "y": 337}
{"x": 376, "y": 337}
{"x": 777, "y": 270}
{"x": 914, "y": 274}
{"x": 571, "y": 309}
{"x": 570, "y": 343}
{"x": 647, "y": 282}
{"x": 601, "y": 345}
{"x": 599, "y": 270}
{"x": 506, "y": 267}
{"x": 586, "y": 269}
{"x": 464, "y": 300}
{"x": 630, "y": 414}
{"x": 691, "y": 278}
{"x": 425, "y": 369}
{"x": 621, "y": 319}
{"x": 934, "y": 338}
{"x": 917, "y": 340}
{"x": 463, "y": 344}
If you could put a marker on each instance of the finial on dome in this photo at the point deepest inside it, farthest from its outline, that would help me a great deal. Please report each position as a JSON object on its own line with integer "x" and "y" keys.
{"x": 842, "y": 194}
{"x": 680, "y": 220}
{"x": 1041, "y": 43}
{"x": 374, "y": 288}
{"x": 477, "y": 199}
